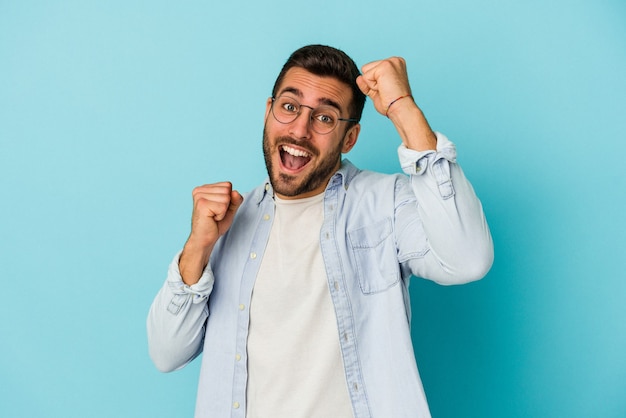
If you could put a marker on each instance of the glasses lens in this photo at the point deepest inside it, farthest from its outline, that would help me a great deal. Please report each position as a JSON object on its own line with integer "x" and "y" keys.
{"x": 285, "y": 109}
{"x": 323, "y": 118}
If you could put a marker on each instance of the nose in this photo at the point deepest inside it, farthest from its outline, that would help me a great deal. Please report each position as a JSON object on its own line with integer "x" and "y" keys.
{"x": 301, "y": 126}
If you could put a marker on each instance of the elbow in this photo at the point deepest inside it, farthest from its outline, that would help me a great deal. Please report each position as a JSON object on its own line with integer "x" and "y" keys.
{"x": 167, "y": 358}
{"x": 479, "y": 261}
{"x": 479, "y": 265}
{"x": 164, "y": 363}
{"x": 478, "y": 269}
{"x": 473, "y": 267}
{"x": 166, "y": 354}
{"x": 161, "y": 356}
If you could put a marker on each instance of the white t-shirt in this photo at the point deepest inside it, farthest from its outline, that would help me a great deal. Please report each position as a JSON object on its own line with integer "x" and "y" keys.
{"x": 295, "y": 368}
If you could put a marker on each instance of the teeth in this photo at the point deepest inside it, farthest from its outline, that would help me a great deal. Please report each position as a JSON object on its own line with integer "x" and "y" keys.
{"x": 295, "y": 152}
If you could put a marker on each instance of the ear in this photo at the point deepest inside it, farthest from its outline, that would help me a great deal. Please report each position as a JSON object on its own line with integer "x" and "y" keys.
{"x": 349, "y": 140}
{"x": 268, "y": 107}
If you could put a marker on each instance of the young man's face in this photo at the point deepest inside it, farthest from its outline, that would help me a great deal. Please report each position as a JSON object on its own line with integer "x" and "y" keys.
{"x": 300, "y": 161}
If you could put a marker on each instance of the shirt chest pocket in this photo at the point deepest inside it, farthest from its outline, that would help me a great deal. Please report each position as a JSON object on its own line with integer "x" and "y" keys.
{"x": 375, "y": 256}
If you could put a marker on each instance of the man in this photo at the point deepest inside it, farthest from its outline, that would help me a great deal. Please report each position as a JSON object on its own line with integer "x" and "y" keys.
{"x": 297, "y": 294}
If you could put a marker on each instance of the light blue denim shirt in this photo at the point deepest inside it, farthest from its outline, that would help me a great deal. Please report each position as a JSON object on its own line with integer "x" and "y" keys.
{"x": 378, "y": 231}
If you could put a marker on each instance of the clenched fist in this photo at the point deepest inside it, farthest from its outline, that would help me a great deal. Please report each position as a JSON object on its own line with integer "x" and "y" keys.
{"x": 214, "y": 207}
{"x": 386, "y": 83}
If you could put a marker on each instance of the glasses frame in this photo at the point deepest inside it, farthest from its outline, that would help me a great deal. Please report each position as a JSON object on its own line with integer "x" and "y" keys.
{"x": 300, "y": 106}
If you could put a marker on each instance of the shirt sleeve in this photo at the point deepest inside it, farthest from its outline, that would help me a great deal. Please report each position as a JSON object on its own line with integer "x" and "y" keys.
{"x": 460, "y": 248}
{"x": 177, "y": 318}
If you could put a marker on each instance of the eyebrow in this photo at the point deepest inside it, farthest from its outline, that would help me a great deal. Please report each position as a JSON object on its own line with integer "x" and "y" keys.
{"x": 321, "y": 100}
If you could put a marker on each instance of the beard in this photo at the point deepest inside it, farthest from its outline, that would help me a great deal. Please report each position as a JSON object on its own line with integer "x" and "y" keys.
{"x": 289, "y": 185}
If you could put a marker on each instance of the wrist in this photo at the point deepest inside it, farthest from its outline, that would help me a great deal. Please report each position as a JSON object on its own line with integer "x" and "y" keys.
{"x": 193, "y": 260}
{"x": 404, "y": 96}
{"x": 412, "y": 126}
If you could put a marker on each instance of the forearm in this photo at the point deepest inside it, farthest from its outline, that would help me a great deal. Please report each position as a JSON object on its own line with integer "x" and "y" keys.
{"x": 193, "y": 261}
{"x": 412, "y": 125}
{"x": 176, "y": 320}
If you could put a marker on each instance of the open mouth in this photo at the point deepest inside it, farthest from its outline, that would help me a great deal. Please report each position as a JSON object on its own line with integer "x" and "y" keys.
{"x": 292, "y": 158}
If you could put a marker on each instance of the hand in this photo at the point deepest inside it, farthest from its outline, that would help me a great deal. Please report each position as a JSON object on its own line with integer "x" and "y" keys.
{"x": 214, "y": 207}
{"x": 385, "y": 81}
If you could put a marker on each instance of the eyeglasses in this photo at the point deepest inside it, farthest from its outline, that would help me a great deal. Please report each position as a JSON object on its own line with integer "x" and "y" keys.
{"x": 323, "y": 118}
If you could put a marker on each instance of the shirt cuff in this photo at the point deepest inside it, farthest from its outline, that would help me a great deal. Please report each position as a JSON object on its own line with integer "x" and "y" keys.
{"x": 416, "y": 163}
{"x": 199, "y": 291}
{"x": 434, "y": 166}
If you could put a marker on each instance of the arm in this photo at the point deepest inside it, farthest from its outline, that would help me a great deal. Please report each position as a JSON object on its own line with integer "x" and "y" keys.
{"x": 460, "y": 245}
{"x": 450, "y": 214}
{"x": 214, "y": 207}
{"x": 177, "y": 317}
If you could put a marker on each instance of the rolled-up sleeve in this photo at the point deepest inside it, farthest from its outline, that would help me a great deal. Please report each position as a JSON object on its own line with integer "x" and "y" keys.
{"x": 460, "y": 247}
{"x": 177, "y": 318}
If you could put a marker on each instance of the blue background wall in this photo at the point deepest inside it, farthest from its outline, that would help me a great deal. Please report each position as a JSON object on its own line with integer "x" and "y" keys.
{"x": 112, "y": 111}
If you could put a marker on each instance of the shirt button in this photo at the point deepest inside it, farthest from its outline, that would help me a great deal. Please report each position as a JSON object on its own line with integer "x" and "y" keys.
{"x": 336, "y": 286}
{"x": 238, "y": 357}
{"x": 242, "y": 307}
{"x": 253, "y": 255}
{"x": 267, "y": 187}
{"x": 266, "y": 217}
{"x": 236, "y": 405}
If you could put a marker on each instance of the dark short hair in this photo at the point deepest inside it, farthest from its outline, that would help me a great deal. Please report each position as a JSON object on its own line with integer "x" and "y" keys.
{"x": 326, "y": 61}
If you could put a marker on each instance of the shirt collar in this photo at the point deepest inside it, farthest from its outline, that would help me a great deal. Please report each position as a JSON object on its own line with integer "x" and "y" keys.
{"x": 343, "y": 176}
{"x": 347, "y": 171}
